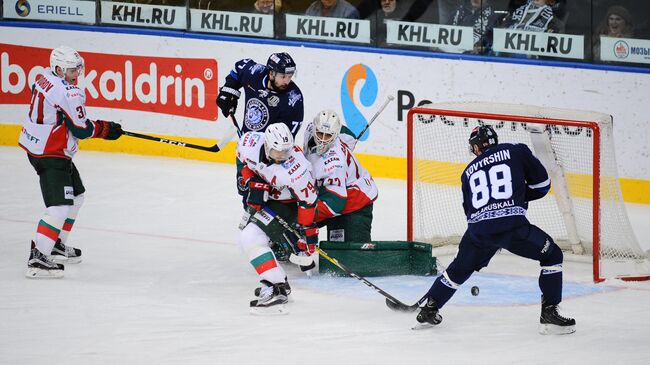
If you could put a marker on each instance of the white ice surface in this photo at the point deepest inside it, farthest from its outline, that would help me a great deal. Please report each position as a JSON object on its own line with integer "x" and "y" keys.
{"x": 163, "y": 282}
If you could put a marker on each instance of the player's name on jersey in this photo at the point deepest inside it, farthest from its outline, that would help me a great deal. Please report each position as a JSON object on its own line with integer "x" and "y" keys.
{"x": 260, "y": 25}
{"x": 446, "y": 37}
{"x": 142, "y": 15}
{"x": 539, "y": 43}
{"x": 625, "y": 50}
{"x": 53, "y": 10}
{"x": 328, "y": 29}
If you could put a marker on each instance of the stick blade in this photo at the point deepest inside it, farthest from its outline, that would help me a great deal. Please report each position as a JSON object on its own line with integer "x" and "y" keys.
{"x": 401, "y": 307}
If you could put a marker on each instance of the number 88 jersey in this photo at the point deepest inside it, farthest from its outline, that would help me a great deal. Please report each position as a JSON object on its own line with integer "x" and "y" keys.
{"x": 497, "y": 186}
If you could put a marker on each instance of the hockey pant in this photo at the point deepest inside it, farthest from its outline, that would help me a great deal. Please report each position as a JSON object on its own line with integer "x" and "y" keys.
{"x": 351, "y": 227}
{"x": 475, "y": 253}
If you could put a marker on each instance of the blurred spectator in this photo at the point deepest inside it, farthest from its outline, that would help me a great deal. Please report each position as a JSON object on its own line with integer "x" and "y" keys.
{"x": 617, "y": 23}
{"x": 535, "y": 16}
{"x": 263, "y": 6}
{"x": 332, "y": 8}
{"x": 470, "y": 13}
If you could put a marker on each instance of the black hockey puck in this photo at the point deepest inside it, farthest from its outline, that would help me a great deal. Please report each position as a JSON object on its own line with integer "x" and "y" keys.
{"x": 475, "y": 290}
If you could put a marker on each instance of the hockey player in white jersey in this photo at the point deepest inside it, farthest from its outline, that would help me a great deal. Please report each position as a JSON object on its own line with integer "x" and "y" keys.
{"x": 346, "y": 191}
{"x": 280, "y": 184}
{"x": 56, "y": 121}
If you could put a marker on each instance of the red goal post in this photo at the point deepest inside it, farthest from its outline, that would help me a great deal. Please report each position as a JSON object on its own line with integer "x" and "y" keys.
{"x": 584, "y": 213}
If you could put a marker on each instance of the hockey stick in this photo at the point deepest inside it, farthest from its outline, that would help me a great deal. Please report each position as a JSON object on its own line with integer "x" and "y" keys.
{"x": 216, "y": 148}
{"x": 395, "y": 304}
{"x": 381, "y": 109}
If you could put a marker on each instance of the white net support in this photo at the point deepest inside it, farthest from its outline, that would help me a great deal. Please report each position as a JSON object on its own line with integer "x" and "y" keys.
{"x": 574, "y": 146}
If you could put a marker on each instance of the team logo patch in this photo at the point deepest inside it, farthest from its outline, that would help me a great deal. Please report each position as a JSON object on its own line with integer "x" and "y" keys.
{"x": 68, "y": 192}
{"x": 257, "y": 115}
{"x": 337, "y": 235}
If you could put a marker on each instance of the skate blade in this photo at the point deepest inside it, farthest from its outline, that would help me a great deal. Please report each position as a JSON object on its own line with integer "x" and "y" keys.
{"x": 274, "y": 310}
{"x": 422, "y": 326}
{"x": 551, "y": 329}
{"x": 65, "y": 260}
{"x": 36, "y": 273}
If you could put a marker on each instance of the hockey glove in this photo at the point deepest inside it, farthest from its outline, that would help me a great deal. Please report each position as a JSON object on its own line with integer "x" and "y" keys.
{"x": 258, "y": 192}
{"x": 309, "y": 239}
{"x": 227, "y": 100}
{"x": 108, "y": 130}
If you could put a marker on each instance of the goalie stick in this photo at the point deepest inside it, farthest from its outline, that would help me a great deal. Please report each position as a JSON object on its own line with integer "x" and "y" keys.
{"x": 216, "y": 148}
{"x": 392, "y": 302}
{"x": 381, "y": 109}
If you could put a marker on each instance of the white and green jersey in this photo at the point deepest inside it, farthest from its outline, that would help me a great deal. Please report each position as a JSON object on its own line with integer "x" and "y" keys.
{"x": 290, "y": 181}
{"x": 56, "y": 118}
{"x": 344, "y": 186}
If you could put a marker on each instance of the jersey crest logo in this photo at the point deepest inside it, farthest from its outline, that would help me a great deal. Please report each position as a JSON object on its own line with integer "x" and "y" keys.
{"x": 257, "y": 115}
{"x": 294, "y": 96}
{"x": 273, "y": 101}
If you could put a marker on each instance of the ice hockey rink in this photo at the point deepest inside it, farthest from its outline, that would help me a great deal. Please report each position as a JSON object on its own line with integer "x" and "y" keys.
{"x": 163, "y": 282}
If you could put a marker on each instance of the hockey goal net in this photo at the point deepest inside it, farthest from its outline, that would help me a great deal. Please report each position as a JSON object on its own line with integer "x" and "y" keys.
{"x": 584, "y": 211}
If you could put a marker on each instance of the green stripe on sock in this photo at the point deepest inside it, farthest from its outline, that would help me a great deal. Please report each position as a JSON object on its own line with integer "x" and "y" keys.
{"x": 259, "y": 260}
{"x": 45, "y": 224}
{"x": 69, "y": 221}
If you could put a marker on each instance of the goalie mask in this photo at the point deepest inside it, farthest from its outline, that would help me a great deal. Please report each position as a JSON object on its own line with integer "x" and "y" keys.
{"x": 278, "y": 142}
{"x": 325, "y": 130}
{"x": 67, "y": 59}
{"x": 483, "y": 137}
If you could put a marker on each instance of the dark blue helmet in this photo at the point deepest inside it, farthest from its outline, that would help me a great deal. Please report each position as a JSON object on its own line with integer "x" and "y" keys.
{"x": 483, "y": 137}
{"x": 281, "y": 63}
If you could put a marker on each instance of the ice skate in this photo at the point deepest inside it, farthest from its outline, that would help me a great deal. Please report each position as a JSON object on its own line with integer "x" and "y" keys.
{"x": 63, "y": 254}
{"x": 552, "y": 323}
{"x": 271, "y": 299}
{"x": 39, "y": 266}
{"x": 428, "y": 316}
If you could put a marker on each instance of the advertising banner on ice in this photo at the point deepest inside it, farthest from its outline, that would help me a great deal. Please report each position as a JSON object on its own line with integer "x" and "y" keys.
{"x": 53, "y": 10}
{"x": 154, "y": 16}
{"x": 225, "y": 22}
{"x": 176, "y": 86}
{"x": 624, "y": 50}
{"x": 539, "y": 43}
{"x": 444, "y": 37}
{"x": 328, "y": 29}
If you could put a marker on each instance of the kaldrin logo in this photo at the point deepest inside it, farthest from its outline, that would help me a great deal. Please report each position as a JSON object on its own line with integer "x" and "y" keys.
{"x": 177, "y": 86}
{"x": 23, "y": 8}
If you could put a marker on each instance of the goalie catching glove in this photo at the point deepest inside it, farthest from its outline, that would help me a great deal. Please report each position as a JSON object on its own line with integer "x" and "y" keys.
{"x": 258, "y": 192}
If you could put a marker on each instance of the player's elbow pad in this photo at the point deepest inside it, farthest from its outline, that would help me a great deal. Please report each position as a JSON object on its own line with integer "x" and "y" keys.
{"x": 534, "y": 194}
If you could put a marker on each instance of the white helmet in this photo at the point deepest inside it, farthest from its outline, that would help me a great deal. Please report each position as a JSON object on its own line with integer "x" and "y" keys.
{"x": 65, "y": 58}
{"x": 278, "y": 142}
{"x": 325, "y": 130}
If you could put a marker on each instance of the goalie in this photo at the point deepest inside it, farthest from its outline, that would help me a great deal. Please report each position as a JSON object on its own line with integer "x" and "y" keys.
{"x": 346, "y": 191}
{"x": 280, "y": 183}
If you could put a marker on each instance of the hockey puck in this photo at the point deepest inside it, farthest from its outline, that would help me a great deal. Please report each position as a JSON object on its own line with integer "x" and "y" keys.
{"x": 475, "y": 290}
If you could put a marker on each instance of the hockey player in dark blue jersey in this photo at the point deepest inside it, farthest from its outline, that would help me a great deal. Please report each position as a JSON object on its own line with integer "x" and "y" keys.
{"x": 271, "y": 95}
{"x": 497, "y": 186}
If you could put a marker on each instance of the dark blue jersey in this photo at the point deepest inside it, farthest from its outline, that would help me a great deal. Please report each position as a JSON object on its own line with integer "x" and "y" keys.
{"x": 265, "y": 106}
{"x": 497, "y": 186}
